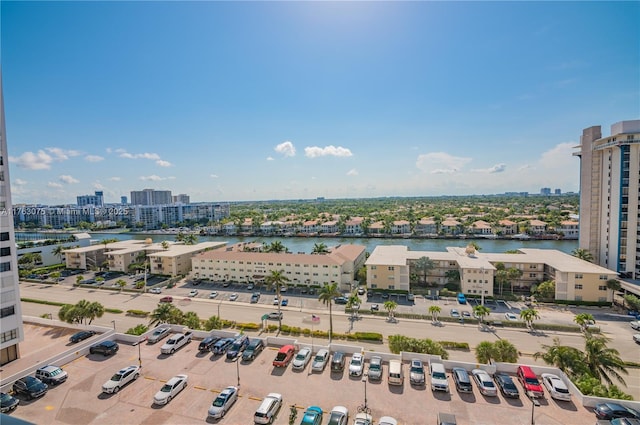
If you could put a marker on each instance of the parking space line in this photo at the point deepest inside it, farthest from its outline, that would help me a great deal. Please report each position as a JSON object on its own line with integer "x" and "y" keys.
{"x": 197, "y": 387}
{"x": 149, "y": 378}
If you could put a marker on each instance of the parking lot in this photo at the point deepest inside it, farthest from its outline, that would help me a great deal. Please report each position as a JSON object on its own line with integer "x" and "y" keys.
{"x": 80, "y": 400}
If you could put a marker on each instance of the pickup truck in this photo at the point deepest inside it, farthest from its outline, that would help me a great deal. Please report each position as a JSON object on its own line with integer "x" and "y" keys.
{"x": 176, "y": 341}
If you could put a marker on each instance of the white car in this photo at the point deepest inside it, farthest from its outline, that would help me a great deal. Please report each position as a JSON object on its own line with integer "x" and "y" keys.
{"x": 387, "y": 420}
{"x": 510, "y": 316}
{"x": 155, "y": 290}
{"x": 484, "y": 382}
{"x": 455, "y": 313}
{"x": 339, "y": 416}
{"x": 356, "y": 365}
{"x": 213, "y": 294}
{"x": 158, "y": 334}
{"x": 635, "y": 325}
{"x": 375, "y": 368}
{"x": 320, "y": 360}
{"x": 556, "y": 387}
{"x": 636, "y": 338}
{"x": 233, "y": 297}
{"x": 193, "y": 293}
{"x": 363, "y": 418}
{"x": 223, "y": 402}
{"x": 170, "y": 389}
{"x": 301, "y": 359}
{"x": 276, "y": 300}
{"x": 120, "y": 379}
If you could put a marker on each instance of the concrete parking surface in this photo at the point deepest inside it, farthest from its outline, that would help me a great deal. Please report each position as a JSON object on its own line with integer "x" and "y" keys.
{"x": 80, "y": 400}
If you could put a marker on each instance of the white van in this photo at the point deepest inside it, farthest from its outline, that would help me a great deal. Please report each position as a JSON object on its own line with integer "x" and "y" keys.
{"x": 438, "y": 377}
{"x": 267, "y": 411}
{"x": 396, "y": 376}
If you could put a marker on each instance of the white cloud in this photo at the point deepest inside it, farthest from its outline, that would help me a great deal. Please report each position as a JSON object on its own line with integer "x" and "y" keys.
{"x": 316, "y": 151}
{"x": 213, "y": 176}
{"x": 65, "y": 178}
{"x": 33, "y": 161}
{"x": 559, "y": 156}
{"x": 498, "y": 168}
{"x": 54, "y": 184}
{"x": 270, "y": 158}
{"x": 286, "y": 148}
{"x": 352, "y": 172}
{"x": 115, "y": 179}
{"x": 147, "y": 155}
{"x": 156, "y": 178}
{"x": 19, "y": 182}
{"x": 163, "y": 163}
{"x": 94, "y": 158}
{"x": 62, "y": 154}
{"x": 98, "y": 186}
{"x": 441, "y": 163}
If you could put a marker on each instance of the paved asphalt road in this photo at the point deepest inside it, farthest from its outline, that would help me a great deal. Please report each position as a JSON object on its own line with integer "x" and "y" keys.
{"x": 294, "y": 314}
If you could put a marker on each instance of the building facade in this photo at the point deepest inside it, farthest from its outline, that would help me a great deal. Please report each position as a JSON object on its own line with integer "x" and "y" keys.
{"x": 151, "y": 197}
{"x": 11, "y": 328}
{"x": 610, "y": 196}
{"x": 97, "y": 200}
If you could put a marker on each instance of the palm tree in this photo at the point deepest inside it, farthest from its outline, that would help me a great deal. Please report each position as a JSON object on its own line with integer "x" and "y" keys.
{"x": 353, "y": 302}
{"x": 434, "y": 310}
{"x": 275, "y": 280}
{"x": 452, "y": 276}
{"x": 213, "y": 322}
{"x": 480, "y": 311}
{"x": 165, "y": 245}
{"x": 390, "y": 306}
{"x": 276, "y": 246}
{"x": 190, "y": 239}
{"x": 121, "y": 283}
{"x": 423, "y": 266}
{"x": 505, "y": 351}
{"x": 191, "y": 320}
{"x": 529, "y": 315}
{"x": 582, "y": 254}
{"x": 501, "y": 278}
{"x": 320, "y": 248}
{"x": 603, "y": 361}
{"x": 484, "y": 352}
{"x": 584, "y": 319}
{"x": 614, "y": 285}
{"x": 93, "y": 311}
{"x": 570, "y": 360}
{"x": 513, "y": 274}
{"x": 162, "y": 314}
{"x": 58, "y": 251}
{"x": 327, "y": 293}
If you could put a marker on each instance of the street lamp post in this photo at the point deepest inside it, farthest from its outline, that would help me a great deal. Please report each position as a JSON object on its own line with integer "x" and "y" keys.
{"x": 534, "y": 403}
{"x": 364, "y": 379}
{"x": 238, "y": 369}
{"x": 113, "y": 322}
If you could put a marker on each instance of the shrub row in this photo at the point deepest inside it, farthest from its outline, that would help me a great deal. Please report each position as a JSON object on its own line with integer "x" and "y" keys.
{"x": 247, "y": 326}
{"x": 31, "y": 300}
{"x": 356, "y": 336}
{"x": 138, "y": 313}
{"x": 453, "y": 345}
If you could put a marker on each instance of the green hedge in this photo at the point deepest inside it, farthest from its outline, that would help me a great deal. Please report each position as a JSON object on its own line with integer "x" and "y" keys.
{"x": 247, "y": 326}
{"x": 453, "y": 345}
{"x": 138, "y": 313}
{"x": 587, "y": 303}
{"x": 31, "y": 300}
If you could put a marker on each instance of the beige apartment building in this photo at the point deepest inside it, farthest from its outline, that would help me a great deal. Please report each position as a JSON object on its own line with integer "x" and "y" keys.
{"x": 389, "y": 268}
{"x": 339, "y": 265}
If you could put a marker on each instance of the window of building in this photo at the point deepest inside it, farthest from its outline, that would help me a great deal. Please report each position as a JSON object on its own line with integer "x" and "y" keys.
{"x": 8, "y": 311}
{"x": 392, "y": 287}
{"x": 533, "y": 275}
{"x": 5, "y": 251}
{"x": 8, "y": 335}
{"x": 604, "y": 277}
{"x": 602, "y": 287}
{"x": 578, "y": 276}
{"x": 5, "y": 267}
{"x": 391, "y": 268}
{"x": 578, "y": 286}
{"x": 4, "y": 236}
{"x": 373, "y": 267}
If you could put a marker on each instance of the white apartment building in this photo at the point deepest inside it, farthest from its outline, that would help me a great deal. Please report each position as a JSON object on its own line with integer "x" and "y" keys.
{"x": 339, "y": 265}
{"x": 610, "y": 196}
{"x": 11, "y": 328}
{"x": 390, "y": 266}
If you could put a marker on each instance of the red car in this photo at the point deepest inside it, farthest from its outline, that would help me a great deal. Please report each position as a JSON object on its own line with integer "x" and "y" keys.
{"x": 530, "y": 382}
{"x": 284, "y": 356}
{"x": 166, "y": 299}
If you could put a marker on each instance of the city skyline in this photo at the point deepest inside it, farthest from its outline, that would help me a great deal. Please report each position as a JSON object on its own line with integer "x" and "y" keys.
{"x": 297, "y": 100}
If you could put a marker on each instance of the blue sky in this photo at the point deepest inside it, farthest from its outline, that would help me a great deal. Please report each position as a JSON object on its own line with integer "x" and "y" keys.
{"x": 230, "y": 101}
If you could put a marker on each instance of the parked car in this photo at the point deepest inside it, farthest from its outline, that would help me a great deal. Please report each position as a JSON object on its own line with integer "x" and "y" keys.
{"x": 176, "y": 342}
{"x": 338, "y": 361}
{"x": 276, "y": 300}
{"x": 635, "y": 325}
{"x": 301, "y": 359}
{"x": 284, "y": 302}
{"x": 375, "y": 368}
{"x": 416, "y": 372}
{"x": 167, "y": 299}
{"x": 454, "y": 313}
{"x": 106, "y": 348}
{"x": 233, "y": 297}
{"x": 529, "y": 381}
{"x": 438, "y": 375}
{"x": 510, "y": 316}
{"x": 223, "y": 402}
{"x": 155, "y": 290}
{"x": 484, "y": 383}
{"x": 375, "y": 307}
{"x": 170, "y": 389}
{"x": 268, "y": 409}
{"x": 556, "y": 387}
{"x": 320, "y": 360}
{"x": 213, "y": 294}
{"x": 506, "y": 385}
{"x": 51, "y": 375}
{"x": 222, "y": 346}
{"x": 356, "y": 365}
{"x": 255, "y": 297}
{"x": 446, "y": 419}
{"x": 8, "y": 403}
{"x": 256, "y": 345}
{"x": 461, "y": 379}
{"x": 120, "y": 379}
{"x": 636, "y": 338}
{"x": 238, "y": 346}
{"x": 207, "y": 343}
{"x": 363, "y": 418}
{"x": 250, "y": 287}
{"x": 341, "y": 300}
{"x": 284, "y": 356}
{"x": 387, "y": 420}
{"x": 614, "y": 410}
{"x": 312, "y": 416}
{"x": 81, "y": 336}
{"x": 158, "y": 334}
{"x": 30, "y": 387}
{"x": 339, "y": 415}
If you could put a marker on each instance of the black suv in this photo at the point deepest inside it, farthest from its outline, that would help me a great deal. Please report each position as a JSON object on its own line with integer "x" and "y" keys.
{"x": 337, "y": 361}
{"x": 105, "y": 348}
{"x": 256, "y": 345}
{"x": 506, "y": 385}
{"x": 30, "y": 387}
{"x": 81, "y": 336}
{"x": 222, "y": 346}
{"x": 238, "y": 347}
{"x": 207, "y": 343}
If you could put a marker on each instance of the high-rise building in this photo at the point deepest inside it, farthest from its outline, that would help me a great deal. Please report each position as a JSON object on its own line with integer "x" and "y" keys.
{"x": 610, "y": 196}
{"x": 545, "y": 191}
{"x": 11, "y": 328}
{"x": 123, "y": 200}
{"x": 96, "y": 200}
{"x": 181, "y": 199}
{"x": 151, "y": 197}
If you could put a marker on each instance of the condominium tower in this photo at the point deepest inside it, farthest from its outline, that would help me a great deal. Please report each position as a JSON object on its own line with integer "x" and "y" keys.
{"x": 610, "y": 195}
{"x": 151, "y": 197}
{"x": 11, "y": 331}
